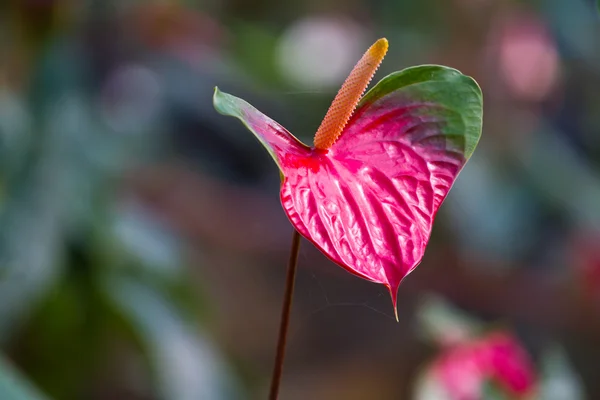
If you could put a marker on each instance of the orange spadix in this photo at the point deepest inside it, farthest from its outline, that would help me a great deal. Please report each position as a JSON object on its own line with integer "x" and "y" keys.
{"x": 347, "y": 98}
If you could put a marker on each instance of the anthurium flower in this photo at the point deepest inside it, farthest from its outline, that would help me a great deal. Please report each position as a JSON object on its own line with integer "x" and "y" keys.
{"x": 368, "y": 190}
{"x": 493, "y": 364}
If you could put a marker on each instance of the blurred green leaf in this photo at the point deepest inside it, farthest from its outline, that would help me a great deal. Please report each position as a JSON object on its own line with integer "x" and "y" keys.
{"x": 445, "y": 324}
{"x": 575, "y": 23}
{"x": 555, "y": 168}
{"x": 491, "y": 391}
{"x": 13, "y": 386}
{"x": 185, "y": 362}
{"x": 559, "y": 380}
{"x": 427, "y": 387}
{"x": 255, "y": 49}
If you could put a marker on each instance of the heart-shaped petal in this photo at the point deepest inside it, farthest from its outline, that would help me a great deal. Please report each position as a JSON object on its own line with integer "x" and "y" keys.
{"x": 369, "y": 201}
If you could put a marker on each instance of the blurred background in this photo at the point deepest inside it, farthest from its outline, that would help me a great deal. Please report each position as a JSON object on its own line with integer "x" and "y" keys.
{"x": 143, "y": 247}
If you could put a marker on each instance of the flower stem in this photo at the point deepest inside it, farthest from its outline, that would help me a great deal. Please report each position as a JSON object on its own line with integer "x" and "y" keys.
{"x": 285, "y": 316}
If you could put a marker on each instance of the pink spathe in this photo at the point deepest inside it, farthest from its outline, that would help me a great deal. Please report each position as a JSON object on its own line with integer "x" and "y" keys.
{"x": 368, "y": 203}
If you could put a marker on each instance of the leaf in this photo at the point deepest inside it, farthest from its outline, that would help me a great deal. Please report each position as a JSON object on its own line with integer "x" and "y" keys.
{"x": 445, "y": 324}
{"x": 428, "y": 387}
{"x": 13, "y": 386}
{"x": 559, "y": 379}
{"x": 368, "y": 203}
{"x": 186, "y": 363}
{"x": 278, "y": 141}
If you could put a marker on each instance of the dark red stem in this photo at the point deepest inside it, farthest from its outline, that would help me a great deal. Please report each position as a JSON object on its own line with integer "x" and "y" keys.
{"x": 285, "y": 316}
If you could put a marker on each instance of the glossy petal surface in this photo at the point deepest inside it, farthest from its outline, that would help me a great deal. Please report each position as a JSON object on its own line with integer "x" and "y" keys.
{"x": 369, "y": 201}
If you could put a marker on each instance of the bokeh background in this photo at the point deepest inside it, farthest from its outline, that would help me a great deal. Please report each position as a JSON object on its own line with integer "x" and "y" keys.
{"x": 142, "y": 245}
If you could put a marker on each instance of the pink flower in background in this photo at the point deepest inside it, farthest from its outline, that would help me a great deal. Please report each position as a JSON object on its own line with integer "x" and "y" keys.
{"x": 498, "y": 359}
{"x": 528, "y": 58}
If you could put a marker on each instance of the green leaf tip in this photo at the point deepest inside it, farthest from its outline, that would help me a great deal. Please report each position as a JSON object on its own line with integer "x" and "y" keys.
{"x": 274, "y": 137}
{"x": 448, "y": 87}
{"x": 218, "y": 99}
